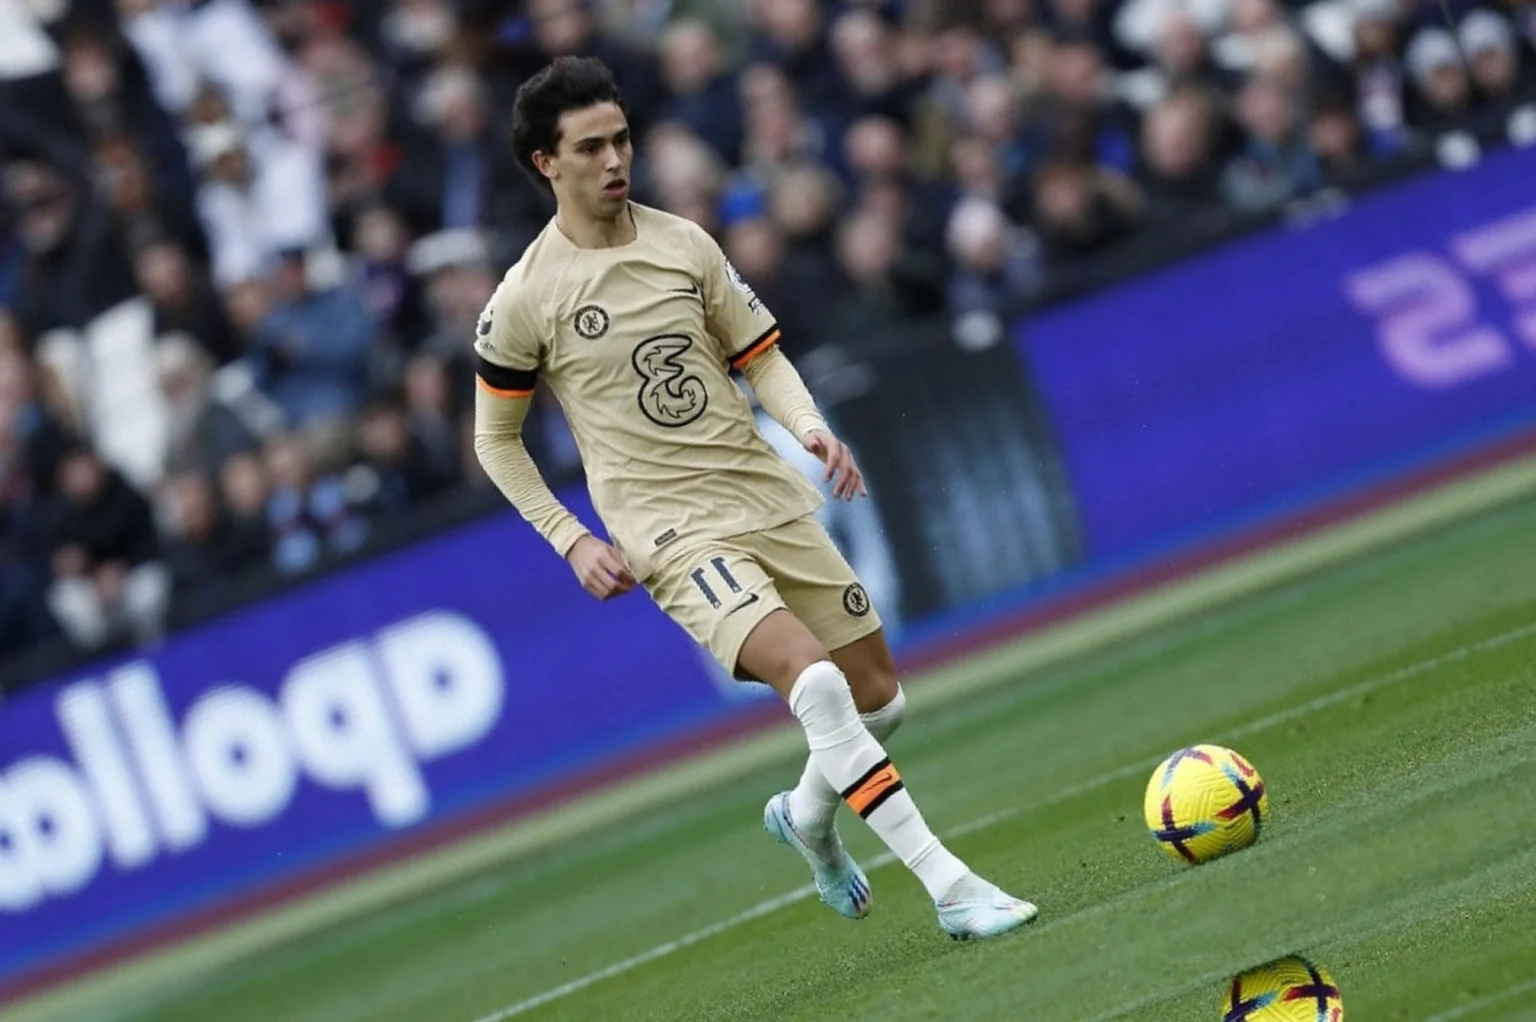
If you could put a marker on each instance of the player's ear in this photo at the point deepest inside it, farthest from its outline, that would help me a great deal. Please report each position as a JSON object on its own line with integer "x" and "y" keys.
{"x": 544, "y": 163}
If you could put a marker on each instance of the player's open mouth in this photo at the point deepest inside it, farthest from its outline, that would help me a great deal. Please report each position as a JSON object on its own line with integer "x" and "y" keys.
{"x": 616, "y": 189}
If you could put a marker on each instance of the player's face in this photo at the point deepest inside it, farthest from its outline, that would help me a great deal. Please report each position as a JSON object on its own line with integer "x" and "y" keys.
{"x": 590, "y": 168}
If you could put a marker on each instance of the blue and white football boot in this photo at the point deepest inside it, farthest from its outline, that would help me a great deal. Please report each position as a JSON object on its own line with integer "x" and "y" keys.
{"x": 840, "y": 882}
{"x": 974, "y": 909}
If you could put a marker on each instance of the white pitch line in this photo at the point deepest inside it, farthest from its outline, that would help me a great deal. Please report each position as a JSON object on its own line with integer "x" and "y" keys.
{"x": 659, "y": 951}
{"x": 992, "y": 819}
{"x": 1473, "y": 1007}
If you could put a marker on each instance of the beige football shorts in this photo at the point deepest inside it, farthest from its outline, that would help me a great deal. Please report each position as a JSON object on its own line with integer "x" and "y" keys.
{"x": 720, "y": 590}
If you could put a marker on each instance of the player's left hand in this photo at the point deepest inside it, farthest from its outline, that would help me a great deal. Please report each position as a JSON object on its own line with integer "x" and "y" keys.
{"x": 840, "y": 464}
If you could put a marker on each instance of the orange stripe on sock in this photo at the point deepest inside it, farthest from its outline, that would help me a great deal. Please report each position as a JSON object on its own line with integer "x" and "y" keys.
{"x": 874, "y": 790}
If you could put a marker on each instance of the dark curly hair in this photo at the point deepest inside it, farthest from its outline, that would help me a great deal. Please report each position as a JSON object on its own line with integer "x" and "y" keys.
{"x": 569, "y": 83}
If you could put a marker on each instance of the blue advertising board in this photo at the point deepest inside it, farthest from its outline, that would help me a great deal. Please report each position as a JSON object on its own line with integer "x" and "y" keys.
{"x": 1297, "y": 364}
{"x": 438, "y": 680}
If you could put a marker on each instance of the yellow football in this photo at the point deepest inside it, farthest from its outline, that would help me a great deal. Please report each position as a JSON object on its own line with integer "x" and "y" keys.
{"x": 1204, "y": 802}
{"x": 1290, "y": 989}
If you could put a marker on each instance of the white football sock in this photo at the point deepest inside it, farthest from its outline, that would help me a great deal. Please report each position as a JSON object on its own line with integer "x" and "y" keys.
{"x": 813, "y": 802}
{"x": 856, "y": 765}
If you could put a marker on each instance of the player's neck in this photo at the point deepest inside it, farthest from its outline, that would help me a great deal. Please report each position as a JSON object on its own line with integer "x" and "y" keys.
{"x": 586, "y": 231}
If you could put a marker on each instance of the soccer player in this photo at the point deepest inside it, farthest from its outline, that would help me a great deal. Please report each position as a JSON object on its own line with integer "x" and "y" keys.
{"x": 635, "y": 319}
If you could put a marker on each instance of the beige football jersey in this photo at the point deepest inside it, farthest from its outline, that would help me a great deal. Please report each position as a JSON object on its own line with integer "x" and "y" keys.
{"x": 637, "y": 343}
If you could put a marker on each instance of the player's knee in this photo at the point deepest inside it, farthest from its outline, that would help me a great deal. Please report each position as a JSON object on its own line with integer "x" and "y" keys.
{"x": 871, "y": 674}
{"x": 883, "y": 722}
{"x": 876, "y": 689}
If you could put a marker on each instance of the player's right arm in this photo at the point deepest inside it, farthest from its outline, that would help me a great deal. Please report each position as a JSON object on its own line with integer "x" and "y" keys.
{"x": 506, "y": 372}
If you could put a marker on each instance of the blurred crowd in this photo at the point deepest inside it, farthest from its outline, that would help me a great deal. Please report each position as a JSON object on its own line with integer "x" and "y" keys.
{"x": 243, "y": 243}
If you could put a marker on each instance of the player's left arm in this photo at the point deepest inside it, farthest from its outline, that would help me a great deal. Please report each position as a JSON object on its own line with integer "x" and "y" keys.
{"x": 748, "y": 337}
{"x": 784, "y": 396}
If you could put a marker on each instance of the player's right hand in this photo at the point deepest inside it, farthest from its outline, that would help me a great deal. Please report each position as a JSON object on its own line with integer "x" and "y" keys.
{"x": 600, "y": 568}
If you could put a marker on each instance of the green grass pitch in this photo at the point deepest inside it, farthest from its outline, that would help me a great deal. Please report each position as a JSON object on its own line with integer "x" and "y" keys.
{"x": 1390, "y": 705}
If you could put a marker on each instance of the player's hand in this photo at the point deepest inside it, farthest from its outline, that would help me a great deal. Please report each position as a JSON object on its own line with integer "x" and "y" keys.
{"x": 600, "y": 568}
{"x": 834, "y": 454}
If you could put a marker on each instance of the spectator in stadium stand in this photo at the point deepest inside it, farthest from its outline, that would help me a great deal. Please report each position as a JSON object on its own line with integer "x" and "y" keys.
{"x": 992, "y": 115}
{"x": 257, "y": 198}
{"x": 32, "y": 443}
{"x": 75, "y": 267}
{"x": 37, "y": 431}
{"x": 309, "y": 510}
{"x": 702, "y": 93}
{"x": 431, "y": 409}
{"x": 1181, "y": 166}
{"x": 995, "y": 261}
{"x": 202, "y": 431}
{"x": 1335, "y": 134}
{"x": 389, "y": 467}
{"x": 311, "y": 349}
{"x": 204, "y": 547}
{"x": 398, "y": 465}
{"x": 958, "y": 56}
{"x": 803, "y": 201}
{"x": 1092, "y": 21}
{"x": 1183, "y": 55}
{"x": 139, "y": 151}
{"x": 393, "y": 295}
{"x": 451, "y": 175}
{"x": 182, "y": 298}
{"x": 791, "y": 35}
{"x": 1079, "y": 118}
{"x": 1378, "y": 72}
{"x": 1276, "y": 164}
{"x": 1501, "y": 76}
{"x": 975, "y": 170}
{"x": 109, "y": 582}
{"x": 1523, "y": 14}
{"x": 868, "y": 51}
{"x": 224, "y": 43}
{"x": 1441, "y": 86}
{"x": 866, "y": 245}
{"x": 780, "y": 129}
{"x": 1081, "y": 210}
{"x": 244, "y": 488}
{"x": 683, "y": 175}
{"x": 878, "y": 152}
{"x": 454, "y": 272}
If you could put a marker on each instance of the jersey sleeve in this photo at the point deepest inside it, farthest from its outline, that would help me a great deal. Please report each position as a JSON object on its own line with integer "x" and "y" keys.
{"x": 508, "y": 350}
{"x": 734, "y": 315}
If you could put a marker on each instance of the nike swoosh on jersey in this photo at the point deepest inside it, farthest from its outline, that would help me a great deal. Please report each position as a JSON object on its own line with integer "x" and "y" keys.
{"x": 691, "y": 289}
{"x": 743, "y": 605}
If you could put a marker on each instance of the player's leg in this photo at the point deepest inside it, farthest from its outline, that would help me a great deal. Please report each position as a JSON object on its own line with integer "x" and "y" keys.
{"x": 821, "y": 589}
{"x": 782, "y": 652}
{"x": 867, "y": 664}
{"x": 847, "y": 745}
{"x": 724, "y": 599}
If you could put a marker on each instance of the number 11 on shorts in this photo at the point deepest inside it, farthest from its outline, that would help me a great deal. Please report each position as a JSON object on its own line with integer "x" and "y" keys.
{"x": 700, "y": 580}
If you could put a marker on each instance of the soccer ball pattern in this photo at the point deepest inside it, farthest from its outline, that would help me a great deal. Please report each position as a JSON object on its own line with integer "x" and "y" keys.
{"x": 1290, "y": 989}
{"x": 1204, "y": 802}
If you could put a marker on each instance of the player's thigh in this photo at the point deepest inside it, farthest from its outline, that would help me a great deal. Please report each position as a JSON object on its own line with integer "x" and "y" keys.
{"x": 821, "y": 590}
{"x": 719, "y": 594}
